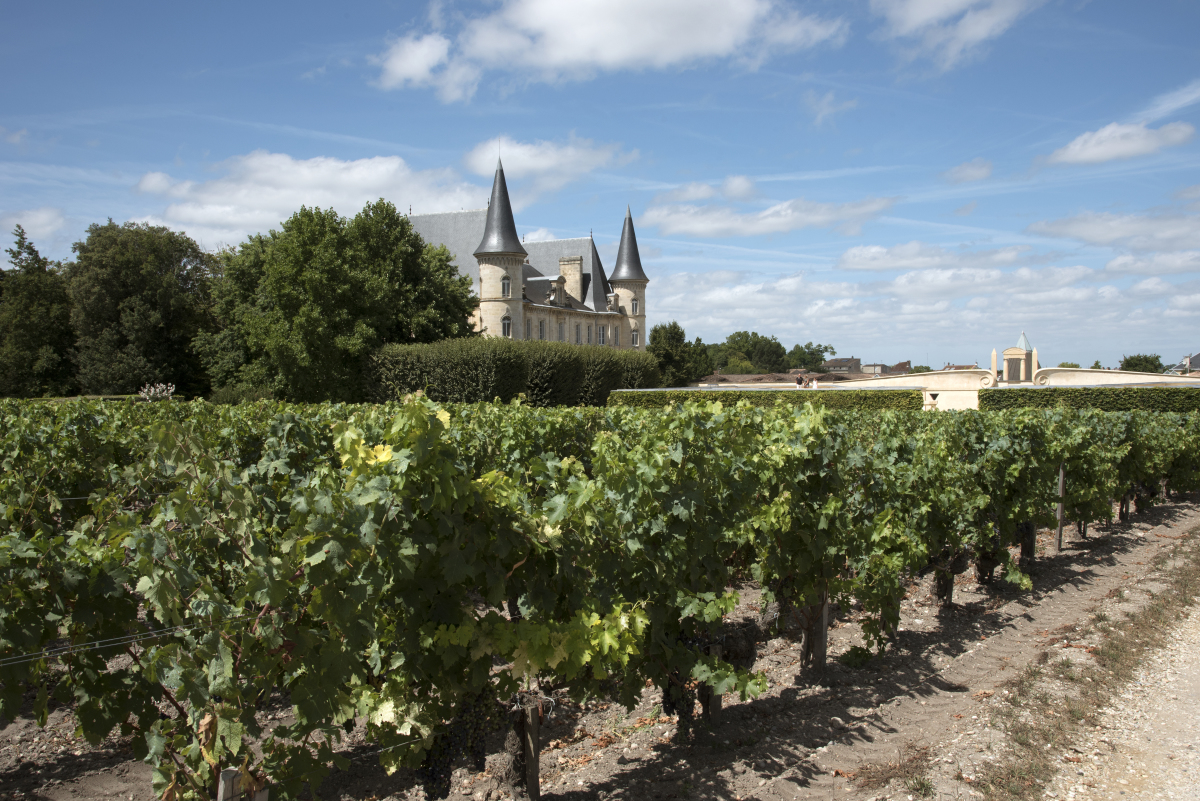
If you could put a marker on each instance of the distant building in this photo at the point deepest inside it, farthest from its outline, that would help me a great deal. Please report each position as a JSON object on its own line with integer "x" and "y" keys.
{"x": 555, "y": 290}
{"x": 848, "y": 365}
{"x": 874, "y": 369}
{"x": 900, "y": 368}
{"x": 974, "y": 366}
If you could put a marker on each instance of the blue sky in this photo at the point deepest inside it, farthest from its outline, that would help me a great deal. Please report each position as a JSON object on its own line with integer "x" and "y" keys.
{"x": 905, "y": 179}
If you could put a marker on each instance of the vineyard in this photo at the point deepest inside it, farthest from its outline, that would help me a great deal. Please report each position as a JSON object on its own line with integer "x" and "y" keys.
{"x": 433, "y": 570}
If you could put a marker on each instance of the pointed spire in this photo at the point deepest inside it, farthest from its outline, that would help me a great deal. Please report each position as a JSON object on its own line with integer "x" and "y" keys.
{"x": 595, "y": 284}
{"x": 629, "y": 261}
{"x": 500, "y": 234}
{"x": 1023, "y": 342}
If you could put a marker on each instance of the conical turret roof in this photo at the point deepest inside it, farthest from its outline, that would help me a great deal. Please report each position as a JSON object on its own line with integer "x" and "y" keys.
{"x": 629, "y": 261}
{"x": 1023, "y": 342}
{"x": 595, "y": 285}
{"x": 500, "y": 233}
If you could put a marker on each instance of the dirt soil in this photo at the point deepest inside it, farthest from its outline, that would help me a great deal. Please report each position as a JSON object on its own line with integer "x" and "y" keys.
{"x": 919, "y": 721}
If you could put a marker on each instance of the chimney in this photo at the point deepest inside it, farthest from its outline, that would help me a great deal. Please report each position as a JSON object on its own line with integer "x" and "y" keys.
{"x": 571, "y": 268}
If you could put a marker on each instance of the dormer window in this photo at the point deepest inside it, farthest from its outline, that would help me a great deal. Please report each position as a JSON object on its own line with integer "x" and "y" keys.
{"x": 505, "y": 287}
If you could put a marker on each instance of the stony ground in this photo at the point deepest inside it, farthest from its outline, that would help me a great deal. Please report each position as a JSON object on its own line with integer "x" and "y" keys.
{"x": 924, "y": 720}
{"x": 1147, "y": 745}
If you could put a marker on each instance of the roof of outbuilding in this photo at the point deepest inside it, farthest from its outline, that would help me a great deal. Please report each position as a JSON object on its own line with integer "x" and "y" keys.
{"x": 629, "y": 261}
{"x": 500, "y": 232}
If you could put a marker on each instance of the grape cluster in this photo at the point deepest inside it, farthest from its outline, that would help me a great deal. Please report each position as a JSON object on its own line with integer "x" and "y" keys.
{"x": 466, "y": 733}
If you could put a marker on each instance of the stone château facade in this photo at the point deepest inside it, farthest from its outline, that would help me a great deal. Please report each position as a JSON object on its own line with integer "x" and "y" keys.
{"x": 555, "y": 290}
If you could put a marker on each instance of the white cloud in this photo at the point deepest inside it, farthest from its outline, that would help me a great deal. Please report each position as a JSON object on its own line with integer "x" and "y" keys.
{"x": 697, "y": 190}
{"x": 949, "y": 31}
{"x": 967, "y": 208}
{"x": 539, "y": 235}
{"x": 552, "y": 41}
{"x": 920, "y": 256}
{"x": 1142, "y": 232}
{"x": 825, "y": 106}
{"x": 13, "y": 137}
{"x": 1187, "y": 261}
{"x": 1189, "y": 193}
{"x": 546, "y": 166}
{"x": 38, "y": 223}
{"x": 791, "y": 215}
{"x": 260, "y": 189}
{"x": 1167, "y": 104}
{"x": 739, "y": 187}
{"x": 977, "y": 169}
{"x": 1121, "y": 141}
{"x": 958, "y": 282}
{"x": 411, "y": 61}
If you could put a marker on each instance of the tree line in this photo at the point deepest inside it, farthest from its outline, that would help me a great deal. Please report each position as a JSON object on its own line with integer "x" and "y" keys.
{"x": 294, "y": 313}
{"x": 743, "y": 352}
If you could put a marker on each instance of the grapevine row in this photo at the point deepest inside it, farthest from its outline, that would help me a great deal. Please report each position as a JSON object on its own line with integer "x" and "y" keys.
{"x": 376, "y": 563}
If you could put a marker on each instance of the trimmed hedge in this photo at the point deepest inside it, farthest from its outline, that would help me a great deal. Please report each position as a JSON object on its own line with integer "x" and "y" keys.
{"x": 1105, "y": 399}
{"x": 861, "y": 399}
{"x": 556, "y": 372}
{"x": 480, "y": 369}
{"x": 467, "y": 370}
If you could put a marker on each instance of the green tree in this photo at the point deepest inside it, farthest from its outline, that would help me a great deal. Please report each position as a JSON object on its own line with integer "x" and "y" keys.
{"x": 921, "y": 368}
{"x": 301, "y": 309}
{"x": 35, "y": 325}
{"x": 700, "y": 362}
{"x": 140, "y": 295}
{"x": 1096, "y": 365}
{"x": 809, "y": 356}
{"x": 1143, "y": 363}
{"x": 668, "y": 344}
{"x": 1068, "y": 364}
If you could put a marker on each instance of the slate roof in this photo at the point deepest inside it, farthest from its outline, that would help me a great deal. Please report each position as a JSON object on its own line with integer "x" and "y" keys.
{"x": 629, "y": 261}
{"x": 500, "y": 232}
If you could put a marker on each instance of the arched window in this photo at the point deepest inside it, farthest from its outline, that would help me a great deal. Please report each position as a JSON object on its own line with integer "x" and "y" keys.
{"x": 506, "y": 325}
{"x": 541, "y": 329}
{"x": 633, "y": 305}
{"x": 633, "y": 338}
{"x": 505, "y": 287}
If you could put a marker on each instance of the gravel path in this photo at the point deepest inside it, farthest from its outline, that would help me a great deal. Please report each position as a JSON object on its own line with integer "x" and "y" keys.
{"x": 1148, "y": 743}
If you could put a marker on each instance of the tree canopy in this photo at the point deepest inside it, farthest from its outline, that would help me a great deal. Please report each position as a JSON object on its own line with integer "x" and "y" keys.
{"x": 35, "y": 325}
{"x": 301, "y": 309}
{"x": 139, "y": 294}
{"x": 679, "y": 362}
{"x": 809, "y": 356}
{"x": 1143, "y": 363}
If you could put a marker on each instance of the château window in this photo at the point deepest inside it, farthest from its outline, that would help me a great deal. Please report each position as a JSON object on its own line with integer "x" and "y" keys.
{"x": 541, "y": 329}
{"x": 633, "y": 336}
{"x": 616, "y": 337}
{"x": 506, "y": 326}
{"x": 505, "y": 287}
{"x": 562, "y": 332}
{"x": 529, "y": 329}
{"x": 632, "y": 305}
{"x": 578, "y": 334}
{"x": 589, "y": 335}
{"x": 600, "y": 334}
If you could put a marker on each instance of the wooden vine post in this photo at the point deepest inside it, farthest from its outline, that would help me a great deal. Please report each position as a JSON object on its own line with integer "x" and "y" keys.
{"x": 532, "y": 751}
{"x": 229, "y": 788}
{"x": 1062, "y": 485}
{"x": 709, "y": 699}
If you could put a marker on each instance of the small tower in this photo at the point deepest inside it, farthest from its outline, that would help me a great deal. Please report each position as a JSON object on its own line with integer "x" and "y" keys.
{"x": 629, "y": 281}
{"x": 1020, "y": 362}
{"x": 501, "y": 277}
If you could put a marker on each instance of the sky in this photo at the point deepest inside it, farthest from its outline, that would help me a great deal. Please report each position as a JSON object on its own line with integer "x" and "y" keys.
{"x": 903, "y": 179}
